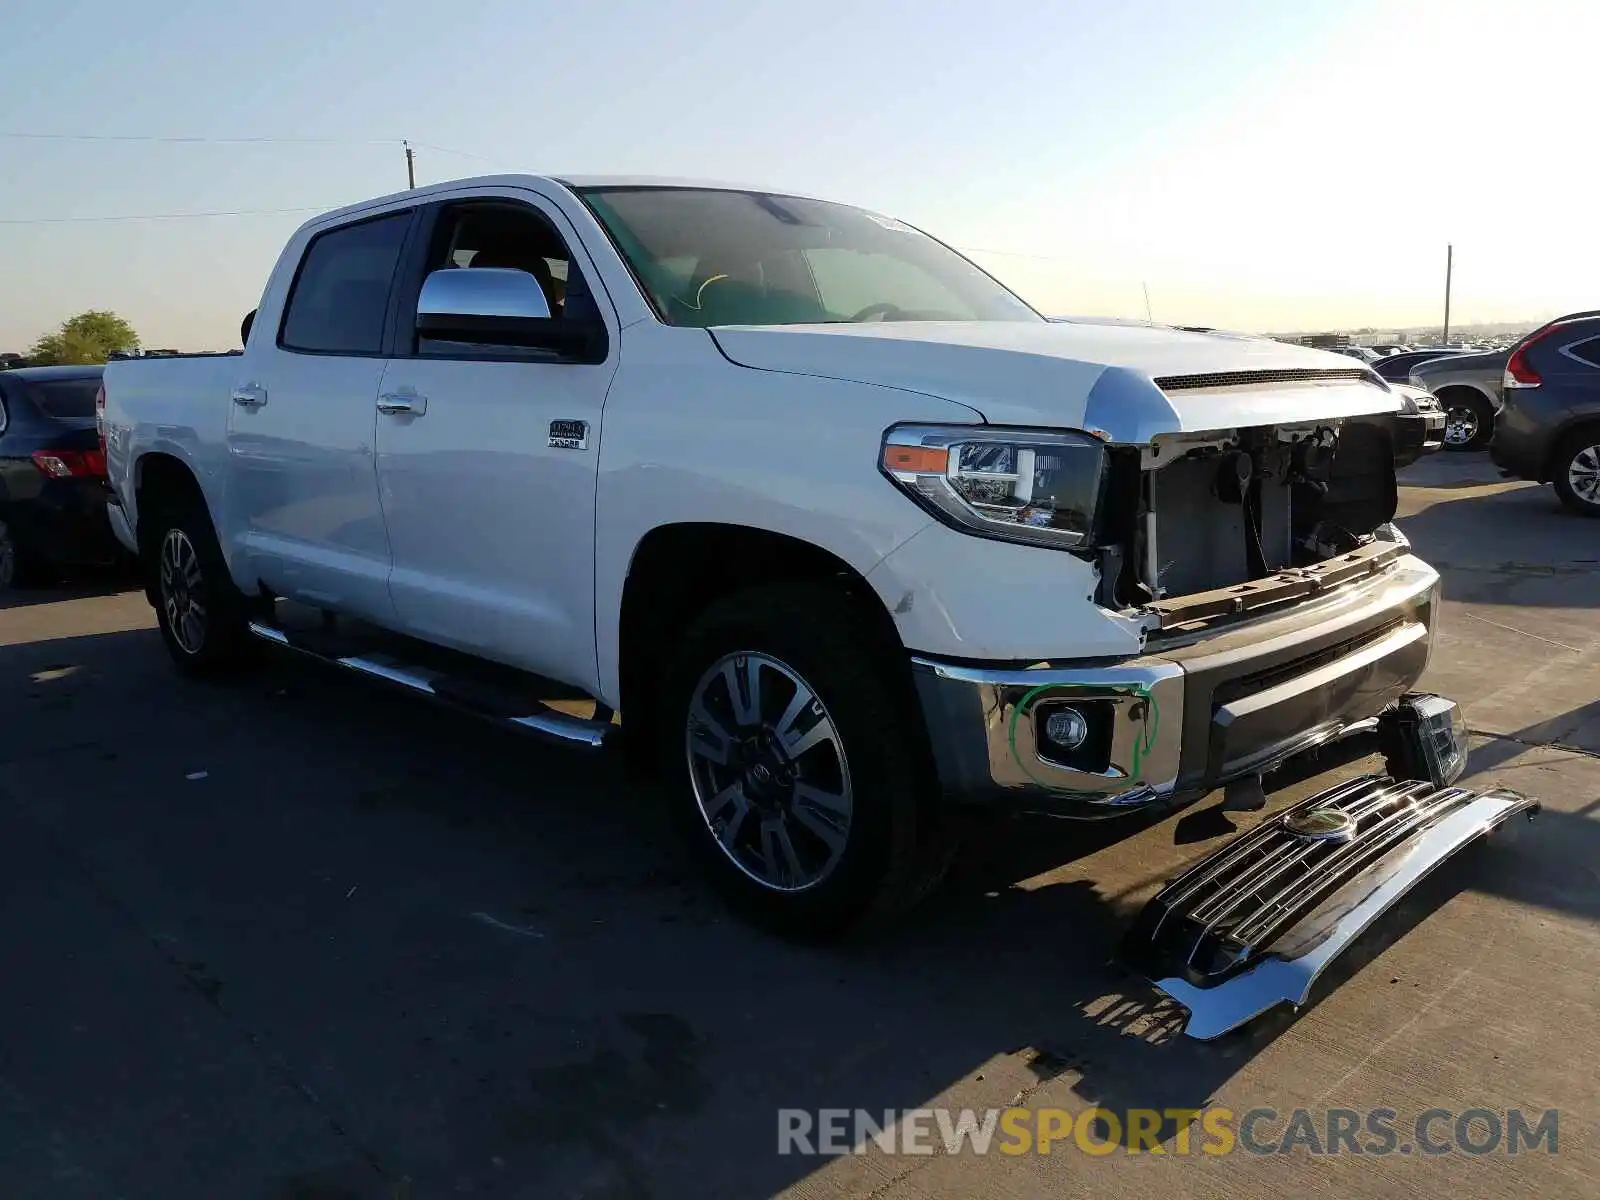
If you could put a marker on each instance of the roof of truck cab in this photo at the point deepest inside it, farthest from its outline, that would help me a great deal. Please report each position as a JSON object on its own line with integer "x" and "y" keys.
{"x": 448, "y": 186}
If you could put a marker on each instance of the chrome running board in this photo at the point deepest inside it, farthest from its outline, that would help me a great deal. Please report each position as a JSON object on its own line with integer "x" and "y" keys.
{"x": 1254, "y": 924}
{"x": 521, "y": 713}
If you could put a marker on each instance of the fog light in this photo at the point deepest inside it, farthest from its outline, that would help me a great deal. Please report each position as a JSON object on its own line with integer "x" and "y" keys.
{"x": 1424, "y": 737}
{"x": 1066, "y": 728}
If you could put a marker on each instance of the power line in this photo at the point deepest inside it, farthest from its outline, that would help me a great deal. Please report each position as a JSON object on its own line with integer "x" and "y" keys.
{"x": 150, "y": 137}
{"x": 243, "y": 212}
{"x": 185, "y": 139}
{"x": 448, "y": 150}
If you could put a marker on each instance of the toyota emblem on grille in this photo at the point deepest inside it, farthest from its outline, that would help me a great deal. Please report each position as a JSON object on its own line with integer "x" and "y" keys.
{"x": 1322, "y": 825}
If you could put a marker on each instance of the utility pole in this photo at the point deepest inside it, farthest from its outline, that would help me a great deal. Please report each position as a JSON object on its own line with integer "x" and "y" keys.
{"x": 1449, "y": 263}
{"x": 411, "y": 166}
{"x": 1147, "y": 315}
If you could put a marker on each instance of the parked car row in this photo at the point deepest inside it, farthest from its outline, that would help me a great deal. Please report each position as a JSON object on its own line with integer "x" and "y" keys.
{"x": 52, "y": 474}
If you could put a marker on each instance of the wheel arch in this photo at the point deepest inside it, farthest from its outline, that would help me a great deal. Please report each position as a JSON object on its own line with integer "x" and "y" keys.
{"x": 1482, "y": 393}
{"x": 1564, "y": 433}
{"x": 677, "y": 570}
{"x": 159, "y": 478}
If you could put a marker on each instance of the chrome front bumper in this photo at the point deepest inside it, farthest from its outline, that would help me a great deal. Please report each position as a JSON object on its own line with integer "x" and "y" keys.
{"x": 1191, "y": 714}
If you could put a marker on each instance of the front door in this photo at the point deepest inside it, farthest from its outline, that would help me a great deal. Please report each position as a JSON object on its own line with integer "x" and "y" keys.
{"x": 487, "y": 465}
{"x": 303, "y": 508}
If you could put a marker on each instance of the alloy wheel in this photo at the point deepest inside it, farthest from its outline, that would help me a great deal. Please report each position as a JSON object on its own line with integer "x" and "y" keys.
{"x": 769, "y": 772}
{"x": 181, "y": 591}
{"x": 1583, "y": 474}
{"x": 1460, "y": 426}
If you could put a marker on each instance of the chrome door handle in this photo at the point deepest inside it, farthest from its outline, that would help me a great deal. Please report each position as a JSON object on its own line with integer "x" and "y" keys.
{"x": 402, "y": 404}
{"x": 250, "y": 396}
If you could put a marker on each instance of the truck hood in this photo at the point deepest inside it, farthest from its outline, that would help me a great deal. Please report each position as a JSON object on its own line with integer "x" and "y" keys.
{"x": 1128, "y": 383}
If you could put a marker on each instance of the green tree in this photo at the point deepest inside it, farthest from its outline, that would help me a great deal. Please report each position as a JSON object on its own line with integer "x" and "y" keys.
{"x": 89, "y": 337}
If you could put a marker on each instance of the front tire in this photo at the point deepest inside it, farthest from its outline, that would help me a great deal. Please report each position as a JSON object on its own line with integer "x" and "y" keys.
{"x": 1576, "y": 472}
{"x": 801, "y": 774}
{"x": 203, "y": 617}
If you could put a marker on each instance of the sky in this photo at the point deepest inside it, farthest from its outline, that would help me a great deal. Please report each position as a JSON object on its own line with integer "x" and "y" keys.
{"x": 1261, "y": 164}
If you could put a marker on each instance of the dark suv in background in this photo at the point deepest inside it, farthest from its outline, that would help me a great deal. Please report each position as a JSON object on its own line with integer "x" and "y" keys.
{"x": 1549, "y": 425}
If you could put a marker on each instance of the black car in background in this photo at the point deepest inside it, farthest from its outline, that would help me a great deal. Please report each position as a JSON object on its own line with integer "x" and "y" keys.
{"x": 1397, "y": 367}
{"x": 1548, "y": 429}
{"x": 52, "y": 474}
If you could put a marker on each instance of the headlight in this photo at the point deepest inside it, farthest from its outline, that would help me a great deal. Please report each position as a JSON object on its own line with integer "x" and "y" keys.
{"x": 1019, "y": 485}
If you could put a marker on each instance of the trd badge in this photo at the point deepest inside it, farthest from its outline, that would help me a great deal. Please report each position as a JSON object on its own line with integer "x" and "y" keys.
{"x": 569, "y": 435}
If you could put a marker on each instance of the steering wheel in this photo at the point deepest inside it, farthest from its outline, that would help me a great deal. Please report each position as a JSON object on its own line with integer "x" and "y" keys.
{"x": 877, "y": 312}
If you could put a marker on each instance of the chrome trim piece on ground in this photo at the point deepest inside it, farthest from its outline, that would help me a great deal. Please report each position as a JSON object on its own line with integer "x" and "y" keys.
{"x": 559, "y": 727}
{"x": 268, "y": 633}
{"x": 1254, "y": 924}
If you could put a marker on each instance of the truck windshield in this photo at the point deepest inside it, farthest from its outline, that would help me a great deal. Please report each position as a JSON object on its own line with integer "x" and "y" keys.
{"x": 710, "y": 257}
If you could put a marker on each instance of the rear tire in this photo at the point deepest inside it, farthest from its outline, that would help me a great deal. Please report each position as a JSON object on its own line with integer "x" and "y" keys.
{"x": 203, "y": 617}
{"x": 1575, "y": 471}
{"x": 846, "y": 830}
{"x": 1469, "y": 419}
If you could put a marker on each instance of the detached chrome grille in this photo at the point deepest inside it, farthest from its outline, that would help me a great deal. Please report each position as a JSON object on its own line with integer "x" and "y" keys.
{"x": 1238, "y": 379}
{"x": 1236, "y": 906}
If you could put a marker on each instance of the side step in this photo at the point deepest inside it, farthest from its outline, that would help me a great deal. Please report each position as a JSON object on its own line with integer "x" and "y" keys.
{"x": 458, "y": 687}
{"x": 1252, "y": 925}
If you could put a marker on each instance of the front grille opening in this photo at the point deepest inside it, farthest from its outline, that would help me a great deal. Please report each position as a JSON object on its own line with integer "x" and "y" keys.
{"x": 1260, "y": 681}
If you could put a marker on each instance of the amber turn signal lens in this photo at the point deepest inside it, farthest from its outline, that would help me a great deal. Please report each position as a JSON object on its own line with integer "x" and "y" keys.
{"x": 916, "y": 460}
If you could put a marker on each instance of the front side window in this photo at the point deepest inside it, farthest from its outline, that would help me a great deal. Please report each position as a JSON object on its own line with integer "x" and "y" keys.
{"x": 709, "y": 257}
{"x": 340, "y": 299}
{"x": 503, "y": 235}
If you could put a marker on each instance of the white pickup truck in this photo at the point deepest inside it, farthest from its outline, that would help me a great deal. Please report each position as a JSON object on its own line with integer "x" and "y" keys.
{"x": 798, "y": 503}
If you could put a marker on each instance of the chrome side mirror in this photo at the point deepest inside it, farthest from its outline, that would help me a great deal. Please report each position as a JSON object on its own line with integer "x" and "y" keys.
{"x": 496, "y": 292}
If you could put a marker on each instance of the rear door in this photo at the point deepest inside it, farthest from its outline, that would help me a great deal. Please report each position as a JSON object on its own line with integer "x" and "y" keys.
{"x": 303, "y": 497}
{"x": 488, "y": 469}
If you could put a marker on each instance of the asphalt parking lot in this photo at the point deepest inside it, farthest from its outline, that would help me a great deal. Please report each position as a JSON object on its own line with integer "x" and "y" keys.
{"x": 303, "y": 937}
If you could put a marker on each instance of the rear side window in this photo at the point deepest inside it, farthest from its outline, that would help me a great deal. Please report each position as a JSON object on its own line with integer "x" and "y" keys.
{"x": 65, "y": 399}
{"x": 340, "y": 297}
{"x": 1586, "y": 351}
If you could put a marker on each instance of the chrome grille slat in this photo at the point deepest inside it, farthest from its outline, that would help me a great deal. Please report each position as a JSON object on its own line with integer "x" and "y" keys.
{"x": 1288, "y": 847}
{"x": 1350, "y": 859}
{"x": 1206, "y": 871}
{"x": 1330, "y": 855}
{"x": 1278, "y": 920}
